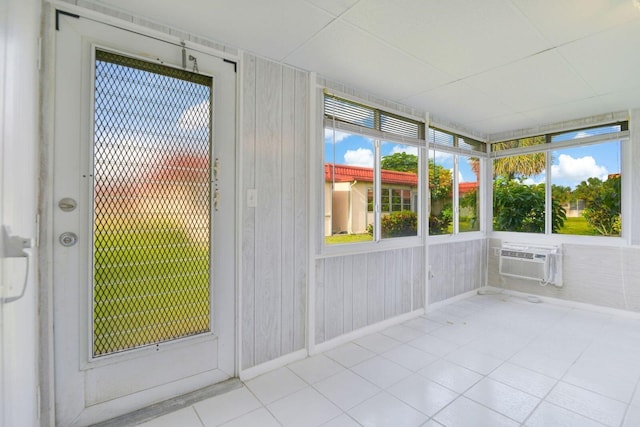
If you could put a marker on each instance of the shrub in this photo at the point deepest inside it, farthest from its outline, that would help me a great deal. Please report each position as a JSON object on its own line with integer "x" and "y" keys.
{"x": 520, "y": 207}
{"x": 439, "y": 224}
{"x": 397, "y": 224}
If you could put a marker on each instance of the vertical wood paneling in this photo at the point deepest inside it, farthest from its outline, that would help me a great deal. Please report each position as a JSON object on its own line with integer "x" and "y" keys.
{"x": 347, "y": 294}
{"x": 390, "y": 283}
{"x": 287, "y": 185}
{"x": 300, "y": 161}
{"x": 375, "y": 287}
{"x": 359, "y": 282}
{"x": 273, "y": 160}
{"x": 457, "y": 268}
{"x": 360, "y": 290}
{"x": 247, "y": 153}
{"x": 334, "y": 301}
{"x": 269, "y": 212}
{"x": 407, "y": 280}
{"x": 319, "y": 308}
{"x": 417, "y": 273}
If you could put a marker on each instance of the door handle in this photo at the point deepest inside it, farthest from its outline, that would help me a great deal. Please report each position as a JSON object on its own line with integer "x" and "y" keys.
{"x": 216, "y": 199}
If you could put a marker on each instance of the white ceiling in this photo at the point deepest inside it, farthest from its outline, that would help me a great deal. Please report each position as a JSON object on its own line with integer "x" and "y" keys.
{"x": 489, "y": 65}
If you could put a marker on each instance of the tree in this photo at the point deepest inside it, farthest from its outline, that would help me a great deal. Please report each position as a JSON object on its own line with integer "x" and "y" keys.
{"x": 523, "y": 165}
{"x": 602, "y": 201}
{"x": 401, "y": 162}
{"x": 440, "y": 181}
{"x": 441, "y": 190}
{"x": 561, "y": 194}
{"x": 521, "y": 207}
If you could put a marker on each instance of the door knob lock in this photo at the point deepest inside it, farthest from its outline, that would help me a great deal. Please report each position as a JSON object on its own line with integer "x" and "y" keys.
{"x": 68, "y": 239}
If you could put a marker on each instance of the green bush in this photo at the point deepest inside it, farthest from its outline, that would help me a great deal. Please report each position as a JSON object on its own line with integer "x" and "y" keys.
{"x": 439, "y": 224}
{"x": 603, "y": 205}
{"x": 520, "y": 207}
{"x": 397, "y": 224}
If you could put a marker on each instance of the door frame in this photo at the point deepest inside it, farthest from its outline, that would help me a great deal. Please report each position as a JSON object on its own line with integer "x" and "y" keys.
{"x": 47, "y": 240}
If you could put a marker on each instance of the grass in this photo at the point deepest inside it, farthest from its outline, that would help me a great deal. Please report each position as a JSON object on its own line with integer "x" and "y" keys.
{"x": 151, "y": 285}
{"x": 347, "y": 238}
{"x": 577, "y": 226}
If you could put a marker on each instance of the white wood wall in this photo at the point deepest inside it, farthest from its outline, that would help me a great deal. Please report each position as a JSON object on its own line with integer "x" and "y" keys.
{"x": 274, "y": 141}
{"x": 354, "y": 291}
{"x": 456, "y": 268}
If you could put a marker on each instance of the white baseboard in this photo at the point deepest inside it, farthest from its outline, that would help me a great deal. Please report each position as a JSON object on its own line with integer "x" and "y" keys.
{"x": 359, "y": 333}
{"x": 271, "y": 365}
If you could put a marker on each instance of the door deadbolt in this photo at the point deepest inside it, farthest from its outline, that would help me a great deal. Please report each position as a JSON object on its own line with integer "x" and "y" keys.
{"x": 67, "y": 204}
{"x": 68, "y": 239}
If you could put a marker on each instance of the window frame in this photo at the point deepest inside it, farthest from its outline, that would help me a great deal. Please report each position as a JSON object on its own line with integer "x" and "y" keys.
{"x": 622, "y": 136}
{"x": 379, "y": 138}
{"x": 457, "y": 151}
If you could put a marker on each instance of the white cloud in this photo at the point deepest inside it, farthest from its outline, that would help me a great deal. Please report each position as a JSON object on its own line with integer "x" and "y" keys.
{"x": 404, "y": 149}
{"x": 440, "y": 156}
{"x": 359, "y": 157}
{"x": 582, "y": 134}
{"x": 195, "y": 117}
{"x": 570, "y": 168}
{"x": 339, "y": 136}
{"x": 531, "y": 181}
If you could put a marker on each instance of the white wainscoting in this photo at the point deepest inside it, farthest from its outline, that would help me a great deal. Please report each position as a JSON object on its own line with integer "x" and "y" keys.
{"x": 456, "y": 268}
{"x": 355, "y": 291}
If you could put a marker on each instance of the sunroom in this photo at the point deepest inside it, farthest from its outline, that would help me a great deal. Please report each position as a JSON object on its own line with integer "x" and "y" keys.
{"x": 310, "y": 212}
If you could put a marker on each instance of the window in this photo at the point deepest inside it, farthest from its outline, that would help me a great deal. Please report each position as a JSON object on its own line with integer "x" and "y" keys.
{"x": 565, "y": 183}
{"x": 454, "y": 185}
{"x": 371, "y": 173}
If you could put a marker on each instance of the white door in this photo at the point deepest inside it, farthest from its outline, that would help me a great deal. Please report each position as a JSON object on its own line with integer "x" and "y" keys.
{"x": 143, "y": 220}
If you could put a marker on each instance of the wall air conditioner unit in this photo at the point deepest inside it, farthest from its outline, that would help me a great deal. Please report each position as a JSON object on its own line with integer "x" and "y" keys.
{"x": 539, "y": 263}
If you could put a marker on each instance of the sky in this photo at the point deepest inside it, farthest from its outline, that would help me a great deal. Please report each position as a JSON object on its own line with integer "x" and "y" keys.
{"x": 570, "y": 166}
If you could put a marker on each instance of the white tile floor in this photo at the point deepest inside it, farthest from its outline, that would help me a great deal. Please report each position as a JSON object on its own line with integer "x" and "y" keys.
{"x": 489, "y": 360}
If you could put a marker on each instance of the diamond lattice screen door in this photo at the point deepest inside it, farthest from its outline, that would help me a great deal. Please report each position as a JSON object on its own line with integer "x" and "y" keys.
{"x": 144, "y": 288}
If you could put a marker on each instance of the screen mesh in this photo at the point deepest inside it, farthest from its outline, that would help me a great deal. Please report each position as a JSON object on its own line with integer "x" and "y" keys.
{"x": 151, "y": 186}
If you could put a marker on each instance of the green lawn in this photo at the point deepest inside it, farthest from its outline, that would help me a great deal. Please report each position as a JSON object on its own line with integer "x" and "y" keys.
{"x": 347, "y": 238}
{"x": 577, "y": 226}
{"x": 150, "y": 285}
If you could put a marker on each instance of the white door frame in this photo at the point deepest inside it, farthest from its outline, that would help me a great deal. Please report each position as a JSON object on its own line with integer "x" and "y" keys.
{"x": 107, "y": 407}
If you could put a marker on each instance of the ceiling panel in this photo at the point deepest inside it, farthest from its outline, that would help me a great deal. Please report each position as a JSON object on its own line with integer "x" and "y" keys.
{"x": 502, "y": 123}
{"x": 492, "y": 65}
{"x": 335, "y": 7}
{"x": 535, "y": 82}
{"x": 562, "y": 21}
{"x": 608, "y": 61}
{"x": 459, "y": 100}
{"x": 567, "y": 111}
{"x": 460, "y": 37}
{"x": 270, "y": 28}
{"x": 349, "y": 55}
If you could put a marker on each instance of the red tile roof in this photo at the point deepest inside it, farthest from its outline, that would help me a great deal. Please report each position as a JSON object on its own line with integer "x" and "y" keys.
{"x": 465, "y": 187}
{"x": 345, "y": 173}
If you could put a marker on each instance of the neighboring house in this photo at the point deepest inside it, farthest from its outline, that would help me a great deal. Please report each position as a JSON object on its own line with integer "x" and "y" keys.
{"x": 349, "y": 196}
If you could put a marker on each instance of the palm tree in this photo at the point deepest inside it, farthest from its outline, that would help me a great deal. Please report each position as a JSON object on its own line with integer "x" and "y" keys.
{"x": 523, "y": 165}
